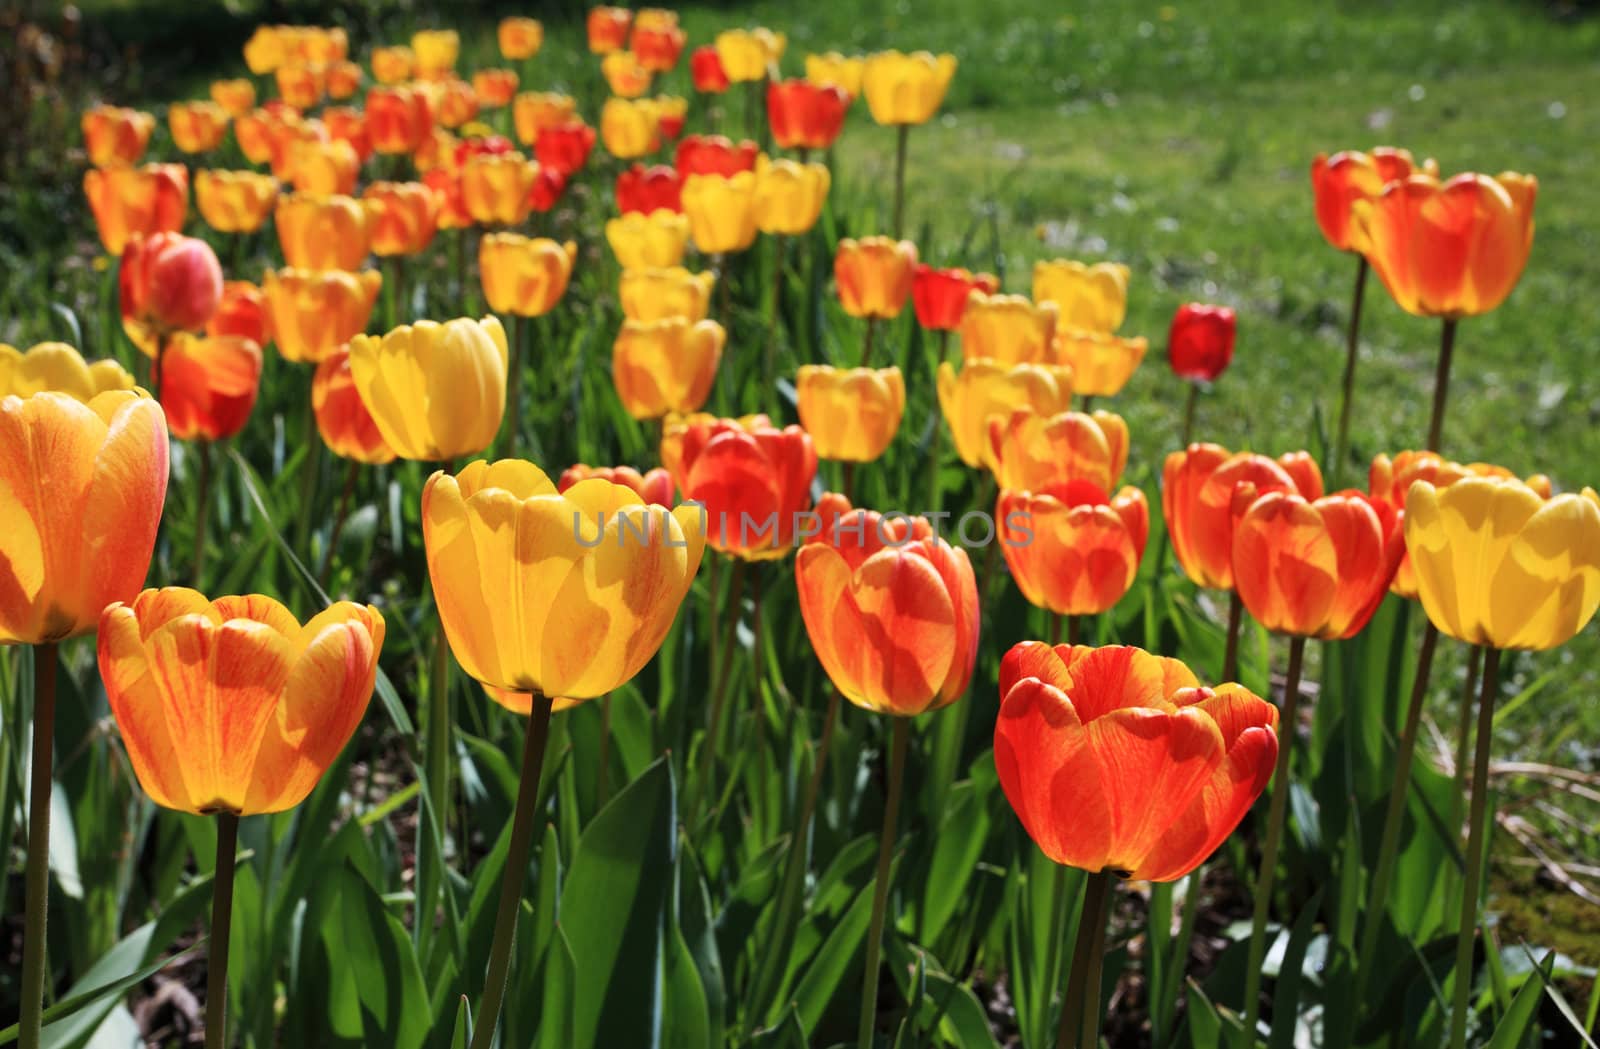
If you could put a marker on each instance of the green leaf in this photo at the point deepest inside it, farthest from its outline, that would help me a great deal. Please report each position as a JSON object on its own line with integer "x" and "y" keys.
{"x": 957, "y": 848}
{"x": 1517, "y": 1022}
{"x": 557, "y": 1022}
{"x": 1286, "y": 993}
{"x": 462, "y": 1033}
{"x": 363, "y": 939}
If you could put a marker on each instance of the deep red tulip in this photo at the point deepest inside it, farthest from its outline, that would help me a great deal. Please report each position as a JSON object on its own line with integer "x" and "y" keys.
{"x": 940, "y": 296}
{"x": 564, "y": 147}
{"x": 804, "y": 115}
{"x": 646, "y": 189}
{"x": 706, "y": 70}
{"x": 1200, "y": 343}
{"x": 715, "y": 155}
{"x": 548, "y": 186}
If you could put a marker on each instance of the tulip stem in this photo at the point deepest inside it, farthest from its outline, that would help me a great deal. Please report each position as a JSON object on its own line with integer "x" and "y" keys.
{"x": 866, "y": 344}
{"x": 880, "y": 885}
{"x": 221, "y": 931}
{"x": 1352, "y": 341}
{"x": 155, "y": 367}
{"x": 1230, "y": 656}
{"x": 1269, "y": 849}
{"x": 1389, "y": 847}
{"x": 1441, "y": 382}
{"x": 903, "y": 141}
{"x": 339, "y": 518}
{"x": 1080, "y": 1011}
{"x": 719, "y": 683}
{"x": 771, "y": 376}
{"x": 1074, "y": 625}
{"x": 202, "y": 509}
{"x": 1469, "y": 692}
{"x": 847, "y": 473}
{"x": 604, "y": 760}
{"x": 1188, "y": 413}
{"x": 37, "y": 897}
{"x": 516, "y": 870}
{"x": 519, "y": 325}
{"x": 1476, "y": 833}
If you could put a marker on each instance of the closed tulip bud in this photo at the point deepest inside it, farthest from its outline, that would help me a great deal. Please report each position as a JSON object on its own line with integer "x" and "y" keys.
{"x": 748, "y": 54}
{"x": 1007, "y": 329}
{"x": 906, "y": 89}
{"x": 436, "y": 391}
{"x": 136, "y": 202}
{"x": 654, "y": 487}
{"x": 665, "y": 366}
{"x": 564, "y": 147}
{"x": 873, "y": 275}
{"x": 265, "y": 50}
{"x": 168, "y": 282}
{"x": 1337, "y": 182}
{"x": 115, "y": 136}
{"x": 1200, "y": 342}
{"x": 1071, "y": 547}
{"x": 401, "y": 216}
{"x": 1498, "y": 563}
{"x": 714, "y": 155}
{"x": 804, "y": 115}
{"x": 1031, "y": 452}
{"x": 788, "y": 196}
{"x": 231, "y": 705}
{"x": 347, "y": 428}
{"x": 495, "y": 188}
{"x": 533, "y": 111}
{"x": 833, "y": 68}
{"x": 343, "y": 79}
{"x": 322, "y": 233}
{"x": 241, "y": 311}
{"x": 630, "y": 128}
{"x": 314, "y": 312}
{"x": 325, "y": 168}
{"x": 608, "y": 28}
{"x": 399, "y": 119}
{"x": 236, "y": 97}
{"x": 301, "y": 85}
{"x": 209, "y": 385}
{"x": 257, "y": 130}
{"x": 983, "y": 390}
{"x": 1116, "y": 759}
{"x": 940, "y": 296}
{"x": 851, "y": 414}
{"x": 706, "y": 72}
{"x": 753, "y": 479}
{"x": 721, "y": 211}
{"x": 234, "y": 201}
{"x": 657, "y": 41}
{"x": 197, "y": 127}
{"x": 436, "y": 51}
{"x": 671, "y": 113}
{"x": 393, "y": 65}
{"x": 646, "y": 241}
{"x": 624, "y": 75}
{"x": 892, "y": 616}
{"x": 453, "y": 102}
{"x": 646, "y": 189}
{"x": 1101, "y": 364}
{"x": 1089, "y": 298}
{"x": 494, "y": 87}
{"x": 524, "y": 275}
{"x": 520, "y": 38}
{"x": 1197, "y": 497}
{"x": 654, "y": 294}
{"x": 58, "y": 368}
{"x": 84, "y": 485}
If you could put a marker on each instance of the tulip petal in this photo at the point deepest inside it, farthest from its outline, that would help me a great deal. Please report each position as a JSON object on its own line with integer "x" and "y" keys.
{"x": 1050, "y": 775}
{"x": 140, "y": 710}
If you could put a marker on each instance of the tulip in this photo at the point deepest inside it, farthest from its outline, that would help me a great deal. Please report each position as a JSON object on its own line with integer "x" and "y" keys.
{"x": 1200, "y": 342}
{"x": 564, "y": 147}
{"x": 197, "y": 127}
{"x": 646, "y": 189}
{"x": 533, "y": 111}
{"x": 706, "y": 72}
{"x": 85, "y": 481}
{"x": 522, "y": 275}
{"x": 754, "y": 479}
{"x": 1337, "y": 182}
{"x": 446, "y": 186}
{"x": 256, "y": 130}
{"x": 671, "y": 113}
{"x": 322, "y": 233}
{"x": 392, "y": 65}
{"x": 301, "y": 86}
{"x": 906, "y": 89}
{"x": 436, "y": 51}
{"x": 874, "y": 275}
{"x": 236, "y": 97}
{"x": 666, "y": 366}
{"x": 548, "y": 186}
{"x": 624, "y": 75}
{"x": 804, "y": 115}
{"x": 721, "y": 211}
{"x": 343, "y": 79}
{"x": 436, "y": 391}
{"x": 57, "y": 367}
{"x": 168, "y": 283}
{"x": 348, "y": 124}
{"x": 1031, "y": 451}
{"x": 1101, "y": 364}
{"x": 940, "y": 296}
{"x": 242, "y": 311}
{"x": 1007, "y": 329}
{"x": 654, "y": 487}
{"x": 714, "y": 155}
{"x": 401, "y": 217}
{"x": 320, "y": 44}
{"x": 655, "y": 294}
{"x": 1089, "y": 298}
{"x": 134, "y": 202}
{"x": 520, "y": 38}
{"x": 116, "y": 136}
{"x": 657, "y": 40}
{"x": 747, "y": 54}
{"x": 399, "y": 119}
{"x": 290, "y": 142}
{"x": 495, "y": 188}
{"x": 315, "y": 312}
{"x": 984, "y": 390}
{"x": 788, "y": 196}
{"x": 265, "y": 50}
{"x": 645, "y": 241}
{"x": 1072, "y": 548}
{"x": 453, "y": 101}
{"x": 326, "y": 168}
{"x": 347, "y": 428}
{"x": 441, "y": 152}
{"x": 209, "y": 385}
{"x": 494, "y": 87}
{"x": 851, "y": 414}
{"x": 630, "y": 128}
{"x": 608, "y": 28}
{"x": 234, "y": 201}
{"x": 833, "y": 68}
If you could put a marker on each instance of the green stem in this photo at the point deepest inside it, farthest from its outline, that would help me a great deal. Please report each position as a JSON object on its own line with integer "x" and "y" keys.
{"x": 1080, "y": 1011}
{"x": 604, "y": 760}
{"x": 1352, "y": 343}
{"x": 1074, "y": 627}
{"x": 516, "y": 871}
{"x": 338, "y": 523}
{"x": 770, "y": 378}
{"x": 155, "y": 367}
{"x": 221, "y": 931}
{"x": 1469, "y": 693}
{"x": 202, "y": 509}
{"x": 866, "y": 344}
{"x": 880, "y": 884}
{"x": 519, "y": 325}
{"x": 1230, "y": 658}
{"x": 1188, "y": 413}
{"x": 900, "y": 179}
{"x": 1269, "y": 850}
{"x": 1476, "y": 835}
{"x": 719, "y": 685}
{"x": 1441, "y": 382}
{"x": 37, "y": 894}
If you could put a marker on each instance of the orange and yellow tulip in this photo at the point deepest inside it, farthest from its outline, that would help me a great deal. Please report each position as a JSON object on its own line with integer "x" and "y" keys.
{"x": 754, "y": 479}
{"x": 533, "y": 111}
{"x": 520, "y": 38}
{"x": 115, "y": 136}
{"x": 209, "y": 385}
{"x": 1007, "y": 329}
{"x": 234, "y": 201}
{"x": 136, "y": 202}
{"x": 874, "y": 275}
{"x": 630, "y": 127}
{"x": 851, "y": 413}
{"x": 325, "y": 168}
{"x": 789, "y": 196}
{"x": 654, "y": 487}
{"x": 1337, "y": 182}
{"x": 236, "y": 97}
{"x": 843, "y": 72}
{"x": 495, "y": 188}
{"x": 347, "y": 428}
{"x": 494, "y": 87}
{"x": 197, "y": 127}
{"x": 607, "y": 28}
{"x": 436, "y": 391}
{"x": 1101, "y": 364}
{"x": 57, "y": 367}
{"x": 1032, "y": 451}
{"x": 301, "y": 84}
{"x": 648, "y": 241}
{"x": 983, "y": 390}
{"x": 1071, "y": 546}
{"x": 524, "y": 275}
{"x": 672, "y": 291}
{"x": 436, "y": 51}
{"x": 393, "y": 65}
{"x": 258, "y": 130}
{"x": 453, "y": 102}
{"x": 721, "y": 211}
{"x": 399, "y": 119}
{"x": 322, "y": 233}
{"x": 906, "y": 89}
{"x": 749, "y": 54}
{"x": 624, "y": 75}
{"x": 666, "y": 366}
{"x": 343, "y": 79}
{"x": 314, "y": 312}
{"x": 348, "y": 124}
{"x": 1087, "y": 298}
{"x": 402, "y": 217}
{"x": 241, "y": 311}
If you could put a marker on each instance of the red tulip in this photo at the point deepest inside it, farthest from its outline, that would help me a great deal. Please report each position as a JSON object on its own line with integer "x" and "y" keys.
{"x": 209, "y": 385}
{"x": 705, "y": 68}
{"x": 654, "y": 487}
{"x": 564, "y": 147}
{"x": 170, "y": 282}
{"x": 754, "y": 479}
{"x": 940, "y": 296}
{"x": 242, "y": 311}
{"x": 804, "y": 115}
{"x": 715, "y": 155}
{"x": 646, "y": 189}
{"x": 548, "y": 186}
{"x": 1200, "y": 343}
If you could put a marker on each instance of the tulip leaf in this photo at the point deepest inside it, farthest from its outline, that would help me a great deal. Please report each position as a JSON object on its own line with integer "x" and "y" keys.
{"x": 1512, "y": 1030}
{"x": 956, "y": 849}
{"x": 942, "y": 1003}
{"x": 463, "y": 1027}
{"x": 1291, "y": 976}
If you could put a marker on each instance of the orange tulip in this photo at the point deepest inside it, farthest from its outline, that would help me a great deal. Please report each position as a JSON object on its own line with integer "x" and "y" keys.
{"x": 608, "y": 28}
{"x": 291, "y": 142}
{"x": 520, "y": 38}
{"x": 266, "y": 49}
{"x": 1452, "y": 250}
{"x": 343, "y": 79}
{"x": 344, "y": 422}
{"x": 209, "y": 385}
{"x": 494, "y": 87}
{"x": 325, "y": 168}
{"x": 258, "y": 130}
{"x": 892, "y": 616}
{"x": 1031, "y": 451}
{"x": 495, "y": 188}
{"x": 241, "y": 311}
{"x": 231, "y": 705}
{"x": 197, "y": 127}
{"x": 439, "y": 152}
{"x": 1197, "y": 498}
{"x": 301, "y": 84}
{"x": 624, "y": 75}
{"x": 402, "y": 217}
{"x": 641, "y": 241}
{"x": 874, "y": 275}
{"x": 654, "y": 487}
{"x": 393, "y": 65}
{"x": 657, "y": 39}
{"x": 234, "y": 201}
{"x": 399, "y": 119}
{"x": 446, "y": 186}
{"x": 664, "y": 366}
{"x": 1007, "y": 329}
{"x": 236, "y": 97}
{"x": 670, "y": 291}
{"x": 322, "y": 233}
{"x": 1117, "y": 759}
{"x": 533, "y": 111}
{"x": 136, "y": 202}
{"x": 1101, "y": 364}
{"x": 168, "y": 282}
{"x": 315, "y": 312}
{"x": 116, "y": 136}
{"x": 1071, "y": 547}
{"x": 984, "y": 390}
{"x": 454, "y": 103}
{"x": 437, "y": 51}
{"x": 1337, "y": 182}
{"x": 753, "y": 479}
{"x": 524, "y": 275}
{"x": 851, "y": 413}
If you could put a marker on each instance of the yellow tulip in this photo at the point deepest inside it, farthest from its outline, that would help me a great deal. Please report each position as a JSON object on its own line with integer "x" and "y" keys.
{"x": 1101, "y": 364}
{"x": 57, "y": 367}
{"x": 643, "y": 241}
{"x": 748, "y": 54}
{"x": 315, "y": 312}
{"x": 234, "y": 201}
{"x": 1007, "y": 329}
{"x": 838, "y": 70}
{"x": 624, "y": 75}
{"x": 495, "y": 188}
{"x": 984, "y": 390}
{"x": 1090, "y": 298}
{"x": 533, "y": 111}
{"x": 906, "y": 89}
{"x": 436, "y": 391}
{"x": 1031, "y": 452}
{"x": 392, "y": 65}
{"x": 721, "y": 211}
{"x": 197, "y": 126}
{"x": 436, "y": 51}
{"x": 524, "y": 275}
{"x": 665, "y": 366}
{"x": 630, "y": 127}
{"x": 669, "y": 291}
{"x": 322, "y": 233}
{"x": 265, "y": 51}
{"x": 789, "y": 196}
{"x": 851, "y": 413}
{"x": 237, "y": 97}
